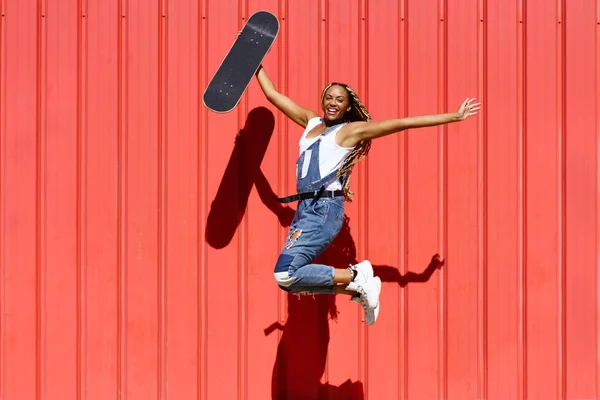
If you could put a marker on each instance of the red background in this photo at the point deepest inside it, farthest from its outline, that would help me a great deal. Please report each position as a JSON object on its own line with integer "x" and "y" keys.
{"x": 137, "y": 237}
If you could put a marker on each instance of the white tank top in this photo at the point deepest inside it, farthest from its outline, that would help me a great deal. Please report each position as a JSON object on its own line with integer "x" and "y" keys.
{"x": 331, "y": 154}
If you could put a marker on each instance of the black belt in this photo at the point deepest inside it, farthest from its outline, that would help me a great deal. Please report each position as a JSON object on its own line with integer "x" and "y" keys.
{"x": 311, "y": 195}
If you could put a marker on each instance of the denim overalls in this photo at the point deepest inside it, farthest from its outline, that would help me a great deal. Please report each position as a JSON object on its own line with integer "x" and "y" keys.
{"x": 316, "y": 223}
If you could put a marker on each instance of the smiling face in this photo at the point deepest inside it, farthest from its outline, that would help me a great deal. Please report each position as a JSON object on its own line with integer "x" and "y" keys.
{"x": 335, "y": 103}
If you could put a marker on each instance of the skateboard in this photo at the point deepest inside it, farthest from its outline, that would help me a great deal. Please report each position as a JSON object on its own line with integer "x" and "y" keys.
{"x": 240, "y": 64}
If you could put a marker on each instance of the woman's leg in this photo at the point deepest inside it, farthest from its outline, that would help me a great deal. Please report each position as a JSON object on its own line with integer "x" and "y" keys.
{"x": 342, "y": 276}
{"x": 341, "y": 279}
{"x": 315, "y": 228}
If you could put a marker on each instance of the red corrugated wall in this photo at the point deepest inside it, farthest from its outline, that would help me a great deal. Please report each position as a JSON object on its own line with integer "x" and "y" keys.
{"x": 138, "y": 236}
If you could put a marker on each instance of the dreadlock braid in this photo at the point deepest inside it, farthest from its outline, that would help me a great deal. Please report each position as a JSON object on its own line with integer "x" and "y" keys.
{"x": 358, "y": 112}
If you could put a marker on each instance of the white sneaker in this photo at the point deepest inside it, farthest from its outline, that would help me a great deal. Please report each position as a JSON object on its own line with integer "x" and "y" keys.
{"x": 364, "y": 283}
{"x": 371, "y": 314}
{"x": 364, "y": 266}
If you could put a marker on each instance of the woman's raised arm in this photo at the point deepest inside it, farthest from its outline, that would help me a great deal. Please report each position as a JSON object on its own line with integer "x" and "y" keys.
{"x": 298, "y": 114}
{"x": 359, "y": 131}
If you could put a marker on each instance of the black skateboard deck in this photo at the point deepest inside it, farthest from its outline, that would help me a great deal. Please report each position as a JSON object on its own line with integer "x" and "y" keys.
{"x": 241, "y": 62}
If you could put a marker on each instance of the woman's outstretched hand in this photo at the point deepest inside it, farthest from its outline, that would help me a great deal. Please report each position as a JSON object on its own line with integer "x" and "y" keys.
{"x": 468, "y": 108}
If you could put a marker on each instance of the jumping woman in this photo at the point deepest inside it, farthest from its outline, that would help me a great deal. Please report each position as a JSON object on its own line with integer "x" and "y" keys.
{"x": 329, "y": 148}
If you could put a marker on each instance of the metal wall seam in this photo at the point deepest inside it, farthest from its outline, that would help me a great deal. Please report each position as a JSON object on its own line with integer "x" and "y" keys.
{"x": 40, "y": 204}
{"x": 561, "y": 194}
{"x": 162, "y": 198}
{"x": 402, "y": 195}
{"x": 326, "y": 80}
{"x": 2, "y": 200}
{"x": 282, "y": 166}
{"x": 482, "y": 205}
{"x": 202, "y": 197}
{"x": 282, "y": 154}
{"x": 522, "y": 199}
{"x": 322, "y": 80}
{"x": 242, "y": 338}
{"x": 81, "y": 194}
{"x": 323, "y": 40}
{"x": 362, "y": 196}
{"x": 121, "y": 196}
{"x": 597, "y": 199}
{"x": 442, "y": 228}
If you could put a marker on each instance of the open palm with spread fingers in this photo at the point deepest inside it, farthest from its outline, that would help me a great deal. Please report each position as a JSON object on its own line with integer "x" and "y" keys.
{"x": 467, "y": 109}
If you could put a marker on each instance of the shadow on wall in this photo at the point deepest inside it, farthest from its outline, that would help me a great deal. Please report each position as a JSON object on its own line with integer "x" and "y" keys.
{"x": 227, "y": 209}
{"x": 302, "y": 350}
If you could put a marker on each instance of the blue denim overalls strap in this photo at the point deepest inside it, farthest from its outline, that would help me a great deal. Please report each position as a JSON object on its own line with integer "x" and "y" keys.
{"x": 308, "y": 175}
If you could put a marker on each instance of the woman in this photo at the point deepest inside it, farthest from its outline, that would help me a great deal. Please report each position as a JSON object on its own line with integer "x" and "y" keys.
{"x": 329, "y": 148}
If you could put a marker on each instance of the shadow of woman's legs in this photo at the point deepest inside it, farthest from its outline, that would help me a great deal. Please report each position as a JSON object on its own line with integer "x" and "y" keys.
{"x": 302, "y": 350}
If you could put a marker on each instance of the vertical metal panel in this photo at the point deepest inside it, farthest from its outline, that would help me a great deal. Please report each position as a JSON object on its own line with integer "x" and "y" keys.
{"x": 181, "y": 207}
{"x": 466, "y": 207}
{"x": 202, "y": 196}
{"x": 383, "y": 73}
{"x": 141, "y": 285}
{"x": 59, "y": 191}
{"x": 422, "y": 201}
{"x": 101, "y": 194}
{"x": 580, "y": 153}
{"x": 543, "y": 177}
{"x": 223, "y": 165}
{"x": 20, "y": 245}
{"x": 138, "y": 230}
{"x": 504, "y": 130}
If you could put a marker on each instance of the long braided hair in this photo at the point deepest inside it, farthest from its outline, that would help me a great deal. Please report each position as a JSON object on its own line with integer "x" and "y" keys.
{"x": 358, "y": 112}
